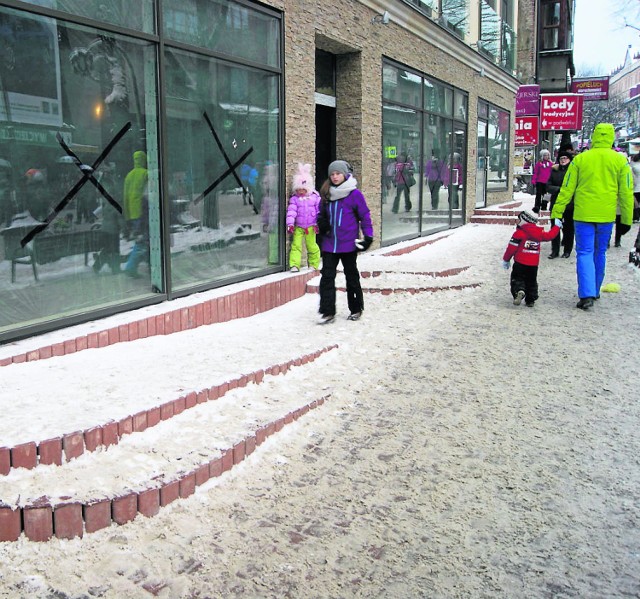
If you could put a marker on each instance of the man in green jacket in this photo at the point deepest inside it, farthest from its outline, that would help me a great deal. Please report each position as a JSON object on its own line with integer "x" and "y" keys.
{"x": 596, "y": 180}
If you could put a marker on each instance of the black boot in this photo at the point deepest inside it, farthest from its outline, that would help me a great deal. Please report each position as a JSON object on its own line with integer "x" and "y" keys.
{"x": 585, "y": 303}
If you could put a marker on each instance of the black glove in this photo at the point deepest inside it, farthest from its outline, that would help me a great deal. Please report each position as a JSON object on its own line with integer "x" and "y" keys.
{"x": 623, "y": 229}
{"x": 324, "y": 226}
{"x": 362, "y": 245}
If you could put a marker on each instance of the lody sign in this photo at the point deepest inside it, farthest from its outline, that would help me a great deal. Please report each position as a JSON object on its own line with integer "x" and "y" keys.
{"x": 560, "y": 112}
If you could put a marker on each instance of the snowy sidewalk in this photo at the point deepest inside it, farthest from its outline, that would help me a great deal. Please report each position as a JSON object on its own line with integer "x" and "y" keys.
{"x": 465, "y": 447}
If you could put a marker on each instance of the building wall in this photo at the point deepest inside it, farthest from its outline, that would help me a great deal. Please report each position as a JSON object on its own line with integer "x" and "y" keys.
{"x": 410, "y": 39}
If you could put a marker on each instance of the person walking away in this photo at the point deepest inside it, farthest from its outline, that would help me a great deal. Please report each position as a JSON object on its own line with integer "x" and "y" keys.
{"x": 135, "y": 184}
{"x": 597, "y": 181}
{"x": 343, "y": 214}
{"x": 110, "y": 225}
{"x": 454, "y": 177}
{"x": 436, "y": 174}
{"x": 524, "y": 248}
{"x": 404, "y": 180}
{"x": 541, "y": 174}
{"x": 302, "y": 219}
{"x": 141, "y": 248}
{"x": 558, "y": 172}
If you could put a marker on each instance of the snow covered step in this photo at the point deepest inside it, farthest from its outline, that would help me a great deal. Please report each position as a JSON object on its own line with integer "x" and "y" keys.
{"x": 388, "y": 282}
{"x": 42, "y": 518}
{"x": 73, "y": 443}
{"x": 149, "y": 470}
{"x": 240, "y": 300}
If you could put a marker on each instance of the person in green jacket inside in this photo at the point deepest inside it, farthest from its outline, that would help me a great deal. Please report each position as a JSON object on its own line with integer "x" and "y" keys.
{"x": 135, "y": 184}
{"x": 597, "y": 180}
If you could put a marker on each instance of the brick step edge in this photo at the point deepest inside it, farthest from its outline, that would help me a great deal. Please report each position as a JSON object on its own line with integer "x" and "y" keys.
{"x": 413, "y": 247}
{"x": 484, "y": 212}
{"x": 41, "y": 520}
{"x": 66, "y": 447}
{"x": 432, "y": 273}
{"x": 313, "y": 288}
{"x": 506, "y": 220}
{"x": 239, "y": 304}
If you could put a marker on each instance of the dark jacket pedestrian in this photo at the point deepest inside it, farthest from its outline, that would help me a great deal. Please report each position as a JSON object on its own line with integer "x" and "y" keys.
{"x": 558, "y": 171}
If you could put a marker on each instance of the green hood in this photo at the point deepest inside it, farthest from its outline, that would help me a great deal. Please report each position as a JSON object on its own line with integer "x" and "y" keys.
{"x": 140, "y": 159}
{"x": 603, "y": 136}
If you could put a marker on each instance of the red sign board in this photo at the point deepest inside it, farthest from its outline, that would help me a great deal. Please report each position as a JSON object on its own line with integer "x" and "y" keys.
{"x": 593, "y": 88}
{"x": 526, "y": 131}
{"x": 560, "y": 112}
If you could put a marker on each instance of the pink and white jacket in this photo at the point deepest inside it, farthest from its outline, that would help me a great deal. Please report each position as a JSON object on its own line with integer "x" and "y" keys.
{"x": 541, "y": 171}
{"x": 303, "y": 210}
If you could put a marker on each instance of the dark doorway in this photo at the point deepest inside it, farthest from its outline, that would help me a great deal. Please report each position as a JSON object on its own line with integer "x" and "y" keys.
{"x": 325, "y": 141}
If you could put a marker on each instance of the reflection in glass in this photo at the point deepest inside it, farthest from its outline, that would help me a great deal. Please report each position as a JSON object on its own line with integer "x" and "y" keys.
{"x": 437, "y": 156}
{"x": 137, "y": 15}
{"x": 401, "y": 196}
{"x": 481, "y": 160}
{"x": 224, "y": 26}
{"x": 437, "y": 97}
{"x": 222, "y": 134}
{"x": 401, "y": 86}
{"x": 498, "y": 148}
{"x": 456, "y": 14}
{"x": 69, "y": 134}
{"x": 489, "y": 30}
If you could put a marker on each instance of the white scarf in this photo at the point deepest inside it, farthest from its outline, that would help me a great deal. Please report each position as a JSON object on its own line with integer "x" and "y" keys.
{"x": 343, "y": 190}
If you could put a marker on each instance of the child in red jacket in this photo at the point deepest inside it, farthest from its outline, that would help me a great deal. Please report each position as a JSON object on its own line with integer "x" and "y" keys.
{"x": 524, "y": 248}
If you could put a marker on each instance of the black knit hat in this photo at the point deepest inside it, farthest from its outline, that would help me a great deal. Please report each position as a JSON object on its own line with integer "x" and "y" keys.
{"x": 565, "y": 152}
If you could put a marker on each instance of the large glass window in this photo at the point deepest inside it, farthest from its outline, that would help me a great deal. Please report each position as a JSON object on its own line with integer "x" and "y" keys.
{"x": 223, "y": 172}
{"x": 550, "y": 25}
{"x": 423, "y": 161}
{"x": 224, "y": 26}
{"x": 89, "y": 222}
{"x": 79, "y": 160}
{"x": 493, "y": 150}
{"x": 139, "y": 15}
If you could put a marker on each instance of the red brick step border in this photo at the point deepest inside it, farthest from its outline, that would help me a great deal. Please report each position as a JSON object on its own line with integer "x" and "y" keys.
{"x": 41, "y": 520}
{"x": 71, "y": 445}
{"x": 411, "y": 290}
{"x": 239, "y": 304}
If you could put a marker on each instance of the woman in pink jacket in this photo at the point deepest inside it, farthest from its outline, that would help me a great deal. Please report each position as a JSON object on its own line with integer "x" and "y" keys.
{"x": 302, "y": 219}
{"x": 541, "y": 174}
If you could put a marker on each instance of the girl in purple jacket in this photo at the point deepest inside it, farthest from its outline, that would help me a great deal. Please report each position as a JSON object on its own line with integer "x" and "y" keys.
{"x": 302, "y": 219}
{"x": 541, "y": 174}
{"x": 343, "y": 213}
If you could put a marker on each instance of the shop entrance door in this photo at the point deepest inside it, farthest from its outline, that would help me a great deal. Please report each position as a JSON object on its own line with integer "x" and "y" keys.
{"x": 325, "y": 141}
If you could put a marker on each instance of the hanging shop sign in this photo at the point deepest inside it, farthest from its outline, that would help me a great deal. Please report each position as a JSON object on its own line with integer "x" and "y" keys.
{"x": 592, "y": 88}
{"x": 528, "y": 100}
{"x": 526, "y": 131}
{"x": 560, "y": 112}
